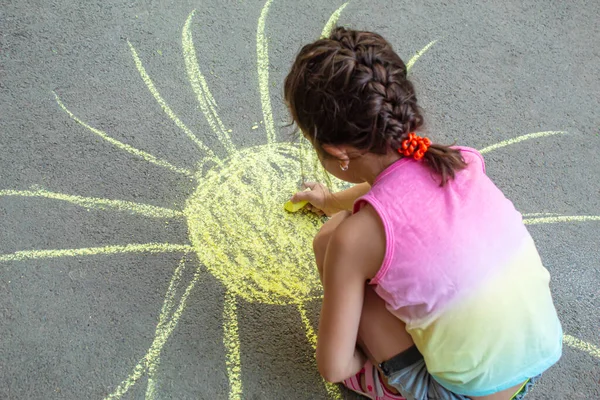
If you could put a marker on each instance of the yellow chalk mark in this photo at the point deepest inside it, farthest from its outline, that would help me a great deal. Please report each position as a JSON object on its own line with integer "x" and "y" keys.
{"x": 332, "y": 21}
{"x": 151, "y": 388}
{"x": 200, "y": 87}
{"x": 125, "y": 147}
{"x": 169, "y": 301}
{"x": 96, "y": 203}
{"x": 241, "y": 234}
{"x": 561, "y": 218}
{"x": 333, "y": 390}
{"x": 140, "y": 368}
{"x": 164, "y": 329}
{"x": 165, "y": 107}
{"x": 237, "y": 227}
{"x": 231, "y": 341}
{"x": 137, "y": 373}
{"x": 262, "y": 61}
{"x": 414, "y": 58}
{"x": 310, "y": 332}
{"x": 92, "y": 251}
{"x": 519, "y": 139}
{"x": 575, "y": 343}
{"x": 168, "y": 305}
{"x": 535, "y": 215}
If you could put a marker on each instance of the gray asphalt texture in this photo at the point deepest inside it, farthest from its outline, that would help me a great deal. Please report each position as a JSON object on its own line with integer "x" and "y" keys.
{"x": 74, "y": 328}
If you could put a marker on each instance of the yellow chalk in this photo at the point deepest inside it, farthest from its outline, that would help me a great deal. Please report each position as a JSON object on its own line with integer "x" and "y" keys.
{"x": 294, "y": 207}
{"x": 332, "y": 21}
{"x": 262, "y": 62}
{"x": 414, "y": 58}
{"x": 208, "y": 105}
{"x": 125, "y": 147}
{"x": 518, "y": 139}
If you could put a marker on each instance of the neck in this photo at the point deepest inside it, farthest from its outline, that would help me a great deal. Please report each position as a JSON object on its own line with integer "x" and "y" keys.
{"x": 372, "y": 165}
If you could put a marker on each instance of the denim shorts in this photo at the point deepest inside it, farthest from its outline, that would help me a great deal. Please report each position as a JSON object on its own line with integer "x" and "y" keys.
{"x": 408, "y": 374}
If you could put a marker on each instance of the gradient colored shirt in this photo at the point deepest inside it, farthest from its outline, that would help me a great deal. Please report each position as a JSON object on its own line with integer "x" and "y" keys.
{"x": 462, "y": 271}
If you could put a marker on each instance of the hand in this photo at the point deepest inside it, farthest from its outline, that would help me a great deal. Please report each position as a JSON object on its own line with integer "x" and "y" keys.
{"x": 318, "y": 197}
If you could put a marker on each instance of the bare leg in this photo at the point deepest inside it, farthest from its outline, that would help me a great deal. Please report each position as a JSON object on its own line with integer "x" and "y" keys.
{"x": 381, "y": 335}
{"x": 321, "y": 241}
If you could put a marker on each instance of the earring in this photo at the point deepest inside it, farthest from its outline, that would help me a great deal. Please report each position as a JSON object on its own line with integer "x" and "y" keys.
{"x": 344, "y": 167}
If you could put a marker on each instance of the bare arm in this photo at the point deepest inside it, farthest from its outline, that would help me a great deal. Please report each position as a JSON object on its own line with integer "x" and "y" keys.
{"x": 345, "y": 199}
{"x": 354, "y": 255}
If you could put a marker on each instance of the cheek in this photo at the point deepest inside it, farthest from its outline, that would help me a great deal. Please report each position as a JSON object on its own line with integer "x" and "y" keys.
{"x": 330, "y": 165}
{"x": 333, "y": 167}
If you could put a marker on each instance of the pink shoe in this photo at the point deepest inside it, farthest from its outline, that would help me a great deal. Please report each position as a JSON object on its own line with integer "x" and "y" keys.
{"x": 375, "y": 389}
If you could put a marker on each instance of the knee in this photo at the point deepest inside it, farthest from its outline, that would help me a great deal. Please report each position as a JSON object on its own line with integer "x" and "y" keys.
{"x": 320, "y": 243}
{"x": 321, "y": 240}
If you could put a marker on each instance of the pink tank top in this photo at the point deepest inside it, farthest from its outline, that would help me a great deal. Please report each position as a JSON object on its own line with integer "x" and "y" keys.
{"x": 463, "y": 273}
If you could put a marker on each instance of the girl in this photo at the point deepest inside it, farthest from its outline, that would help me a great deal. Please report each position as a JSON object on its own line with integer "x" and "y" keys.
{"x": 431, "y": 280}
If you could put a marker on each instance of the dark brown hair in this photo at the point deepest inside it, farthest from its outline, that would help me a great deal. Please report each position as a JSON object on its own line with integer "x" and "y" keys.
{"x": 351, "y": 88}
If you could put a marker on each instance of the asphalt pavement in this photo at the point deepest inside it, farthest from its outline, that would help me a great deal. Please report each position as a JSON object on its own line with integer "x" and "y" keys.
{"x": 120, "y": 120}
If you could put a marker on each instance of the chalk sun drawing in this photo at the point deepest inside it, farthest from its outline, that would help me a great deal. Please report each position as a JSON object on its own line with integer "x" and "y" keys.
{"x": 237, "y": 226}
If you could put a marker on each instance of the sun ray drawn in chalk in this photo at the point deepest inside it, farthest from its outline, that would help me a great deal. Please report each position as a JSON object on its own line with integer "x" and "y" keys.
{"x": 237, "y": 227}
{"x": 519, "y": 139}
{"x": 168, "y": 319}
{"x": 149, "y": 248}
{"x": 100, "y": 204}
{"x": 332, "y": 21}
{"x": 125, "y": 147}
{"x": 165, "y": 107}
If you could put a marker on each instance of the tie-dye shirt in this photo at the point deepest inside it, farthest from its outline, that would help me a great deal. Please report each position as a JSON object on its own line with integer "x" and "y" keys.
{"x": 463, "y": 273}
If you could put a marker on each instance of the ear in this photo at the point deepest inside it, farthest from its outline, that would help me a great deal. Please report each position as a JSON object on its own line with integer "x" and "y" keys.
{"x": 337, "y": 152}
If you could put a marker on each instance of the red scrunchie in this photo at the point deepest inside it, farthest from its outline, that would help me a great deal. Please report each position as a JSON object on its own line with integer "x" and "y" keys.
{"x": 414, "y": 146}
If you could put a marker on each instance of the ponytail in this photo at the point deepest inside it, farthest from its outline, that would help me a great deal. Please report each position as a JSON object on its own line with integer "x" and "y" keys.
{"x": 353, "y": 89}
{"x": 444, "y": 161}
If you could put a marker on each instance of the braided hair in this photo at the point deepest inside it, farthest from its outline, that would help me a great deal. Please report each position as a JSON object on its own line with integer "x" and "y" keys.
{"x": 351, "y": 88}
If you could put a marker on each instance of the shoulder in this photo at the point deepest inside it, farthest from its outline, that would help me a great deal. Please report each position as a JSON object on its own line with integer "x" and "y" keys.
{"x": 361, "y": 240}
{"x": 471, "y": 156}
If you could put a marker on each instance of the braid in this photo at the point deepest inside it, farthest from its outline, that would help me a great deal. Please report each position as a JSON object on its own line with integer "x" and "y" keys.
{"x": 389, "y": 98}
{"x": 352, "y": 89}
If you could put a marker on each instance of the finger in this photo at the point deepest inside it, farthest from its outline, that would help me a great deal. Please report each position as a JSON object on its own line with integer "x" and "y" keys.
{"x": 300, "y": 196}
{"x": 309, "y": 185}
{"x": 316, "y": 210}
{"x": 312, "y": 209}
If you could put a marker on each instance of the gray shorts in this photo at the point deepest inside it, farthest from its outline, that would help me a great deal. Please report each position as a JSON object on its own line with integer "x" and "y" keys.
{"x": 408, "y": 374}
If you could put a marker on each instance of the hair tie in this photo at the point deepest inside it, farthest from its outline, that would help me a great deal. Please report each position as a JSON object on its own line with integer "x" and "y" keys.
{"x": 414, "y": 146}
